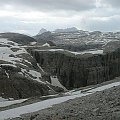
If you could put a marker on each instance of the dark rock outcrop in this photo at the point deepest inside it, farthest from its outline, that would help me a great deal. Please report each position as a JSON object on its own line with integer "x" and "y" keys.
{"x": 79, "y": 70}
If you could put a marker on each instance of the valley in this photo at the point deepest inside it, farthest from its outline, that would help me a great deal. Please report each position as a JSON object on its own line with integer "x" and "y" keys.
{"x": 57, "y": 67}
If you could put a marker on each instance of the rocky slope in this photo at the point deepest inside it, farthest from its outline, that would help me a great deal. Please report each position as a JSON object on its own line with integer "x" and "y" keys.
{"x": 93, "y": 102}
{"x": 103, "y": 105}
{"x": 20, "y": 75}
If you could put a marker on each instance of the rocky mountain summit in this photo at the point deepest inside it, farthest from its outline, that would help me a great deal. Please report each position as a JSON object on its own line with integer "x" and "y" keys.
{"x": 42, "y": 31}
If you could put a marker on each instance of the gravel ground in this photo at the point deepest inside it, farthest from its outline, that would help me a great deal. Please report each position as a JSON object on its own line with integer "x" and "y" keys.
{"x": 103, "y": 105}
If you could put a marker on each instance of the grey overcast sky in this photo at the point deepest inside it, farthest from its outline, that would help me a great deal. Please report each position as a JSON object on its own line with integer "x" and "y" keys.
{"x": 29, "y": 16}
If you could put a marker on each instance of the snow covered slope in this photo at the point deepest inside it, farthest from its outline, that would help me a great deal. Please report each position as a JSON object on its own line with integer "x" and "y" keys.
{"x": 20, "y": 75}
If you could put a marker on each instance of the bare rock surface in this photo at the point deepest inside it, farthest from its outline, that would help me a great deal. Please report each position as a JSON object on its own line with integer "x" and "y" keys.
{"x": 104, "y": 105}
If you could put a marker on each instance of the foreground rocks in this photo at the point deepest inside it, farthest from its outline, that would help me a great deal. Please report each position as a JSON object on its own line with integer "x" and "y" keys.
{"x": 103, "y": 105}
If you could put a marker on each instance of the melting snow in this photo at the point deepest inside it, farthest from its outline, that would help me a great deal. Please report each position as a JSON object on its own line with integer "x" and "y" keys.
{"x": 52, "y": 50}
{"x": 6, "y": 51}
{"x": 7, "y": 74}
{"x": 46, "y": 44}
{"x": 55, "y": 82}
{"x": 76, "y": 53}
{"x": 2, "y": 99}
{"x": 7, "y": 103}
{"x": 91, "y": 51}
{"x": 40, "y": 67}
{"x": 33, "y": 43}
{"x": 33, "y": 73}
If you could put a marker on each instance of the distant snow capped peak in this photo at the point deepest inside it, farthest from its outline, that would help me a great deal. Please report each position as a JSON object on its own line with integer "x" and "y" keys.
{"x": 72, "y": 29}
{"x": 42, "y": 31}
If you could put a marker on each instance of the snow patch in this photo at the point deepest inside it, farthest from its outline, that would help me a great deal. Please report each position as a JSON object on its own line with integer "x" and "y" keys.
{"x": 55, "y": 82}
{"x": 91, "y": 52}
{"x": 40, "y": 67}
{"x": 31, "y": 73}
{"x": 7, "y": 74}
{"x": 33, "y": 43}
{"x": 76, "y": 53}
{"x": 3, "y": 99}
{"x": 46, "y": 45}
{"x": 8, "y": 103}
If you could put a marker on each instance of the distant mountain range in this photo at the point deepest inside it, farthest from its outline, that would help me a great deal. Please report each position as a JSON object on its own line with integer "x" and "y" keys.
{"x": 78, "y": 40}
{"x": 72, "y": 29}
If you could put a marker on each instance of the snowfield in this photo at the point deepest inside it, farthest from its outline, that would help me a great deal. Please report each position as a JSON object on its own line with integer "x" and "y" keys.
{"x": 76, "y": 53}
{"x": 6, "y": 51}
{"x": 91, "y": 52}
{"x": 11, "y": 53}
{"x": 7, "y": 103}
{"x": 3, "y": 99}
{"x": 16, "y": 112}
{"x": 55, "y": 82}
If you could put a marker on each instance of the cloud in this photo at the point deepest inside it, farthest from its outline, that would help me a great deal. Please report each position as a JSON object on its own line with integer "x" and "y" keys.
{"x": 102, "y": 23}
{"x": 50, "y": 5}
{"x": 111, "y": 3}
{"x": 29, "y": 16}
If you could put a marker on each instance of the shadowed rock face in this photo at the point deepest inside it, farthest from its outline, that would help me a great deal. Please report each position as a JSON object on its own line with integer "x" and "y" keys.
{"x": 80, "y": 70}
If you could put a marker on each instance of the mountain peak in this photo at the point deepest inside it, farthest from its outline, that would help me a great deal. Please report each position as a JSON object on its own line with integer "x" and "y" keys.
{"x": 42, "y": 31}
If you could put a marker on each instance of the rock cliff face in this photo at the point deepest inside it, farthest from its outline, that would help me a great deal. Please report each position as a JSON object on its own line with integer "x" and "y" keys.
{"x": 79, "y": 70}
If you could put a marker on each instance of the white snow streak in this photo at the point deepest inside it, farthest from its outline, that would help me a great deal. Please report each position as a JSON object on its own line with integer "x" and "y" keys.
{"x": 7, "y": 103}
